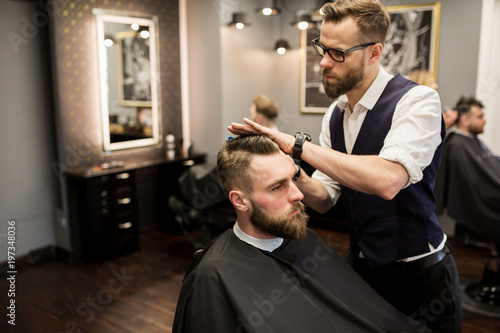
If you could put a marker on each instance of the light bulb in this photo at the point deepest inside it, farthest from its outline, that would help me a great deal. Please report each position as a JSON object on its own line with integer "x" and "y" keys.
{"x": 267, "y": 11}
{"x": 303, "y": 25}
{"x": 108, "y": 42}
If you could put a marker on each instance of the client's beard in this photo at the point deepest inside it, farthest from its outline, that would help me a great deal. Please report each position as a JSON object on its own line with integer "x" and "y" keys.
{"x": 285, "y": 226}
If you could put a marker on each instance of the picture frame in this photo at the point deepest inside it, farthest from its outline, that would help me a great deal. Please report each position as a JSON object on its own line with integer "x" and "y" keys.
{"x": 312, "y": 98}
{"x": 413, "y": 39}
{"x": 134, "y": 70}
{"x": 412, "y": 43}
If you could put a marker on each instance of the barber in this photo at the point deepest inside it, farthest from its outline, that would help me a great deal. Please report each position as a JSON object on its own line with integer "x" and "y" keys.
{"x": 381, "y": 145}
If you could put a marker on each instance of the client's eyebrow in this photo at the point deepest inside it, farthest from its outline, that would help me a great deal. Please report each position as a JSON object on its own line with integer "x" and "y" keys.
{"x": 277, "y": 182}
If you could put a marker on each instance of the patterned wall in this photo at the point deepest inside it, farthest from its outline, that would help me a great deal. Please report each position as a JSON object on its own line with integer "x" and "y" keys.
{"x": 75, "y": 67}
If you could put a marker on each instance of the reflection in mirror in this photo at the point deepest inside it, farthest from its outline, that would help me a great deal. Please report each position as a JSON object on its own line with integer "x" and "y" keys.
{"x": 128, "y": 75}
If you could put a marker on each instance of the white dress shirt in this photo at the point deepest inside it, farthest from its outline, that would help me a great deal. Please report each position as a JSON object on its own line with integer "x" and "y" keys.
{"x": 263, "y": 244}
{"x": 412, "y": 140}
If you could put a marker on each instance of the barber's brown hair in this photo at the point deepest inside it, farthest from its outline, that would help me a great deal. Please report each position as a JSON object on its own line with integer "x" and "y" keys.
{"x": 235, "y": 157}
{"x": 372, "y": 17}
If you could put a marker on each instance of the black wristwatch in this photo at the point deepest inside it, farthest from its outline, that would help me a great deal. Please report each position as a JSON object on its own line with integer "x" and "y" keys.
{"x": 300, "y": 138}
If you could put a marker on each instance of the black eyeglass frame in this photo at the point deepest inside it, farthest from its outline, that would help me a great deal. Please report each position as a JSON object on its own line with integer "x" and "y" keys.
{"x": 342, "y": 52}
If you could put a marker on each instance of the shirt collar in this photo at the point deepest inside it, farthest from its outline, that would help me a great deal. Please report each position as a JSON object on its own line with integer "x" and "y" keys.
{"x": 464, "y": 133}
{"x": 373, "y": 93}
{"x": 263, "y": 244}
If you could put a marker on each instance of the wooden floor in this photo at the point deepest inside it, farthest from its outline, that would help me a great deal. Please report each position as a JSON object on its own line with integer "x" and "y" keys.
{"x": 138, "y": 292}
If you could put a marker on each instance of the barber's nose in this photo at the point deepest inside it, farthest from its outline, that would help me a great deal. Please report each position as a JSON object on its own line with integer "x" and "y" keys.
{"x": 326, "y": 61}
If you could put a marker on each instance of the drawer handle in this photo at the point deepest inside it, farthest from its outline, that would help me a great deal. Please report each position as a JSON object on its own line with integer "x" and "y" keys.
{"x": 124, "y": 175}
{"x": 123, "y": 201}
{"x": 125, "y": 225}
{"x": 188, "y": 162}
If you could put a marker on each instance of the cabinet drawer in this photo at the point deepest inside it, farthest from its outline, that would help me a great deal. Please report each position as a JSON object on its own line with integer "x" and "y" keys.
{"x": 124, "y": 235}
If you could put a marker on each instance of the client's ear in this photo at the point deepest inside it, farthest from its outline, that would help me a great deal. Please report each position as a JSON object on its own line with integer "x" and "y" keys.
{"x": 238, "y": 200}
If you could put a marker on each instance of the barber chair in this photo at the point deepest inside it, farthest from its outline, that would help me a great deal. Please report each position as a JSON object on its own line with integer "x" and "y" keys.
{"x": 478, "y": 296}
{"x": 482, "y": 296}
{"x": 202, "y": 210}
{"x": 468, "y": 191}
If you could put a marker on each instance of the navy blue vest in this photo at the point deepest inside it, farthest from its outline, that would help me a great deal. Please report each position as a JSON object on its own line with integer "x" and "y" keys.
{"x": 388, "y": 230}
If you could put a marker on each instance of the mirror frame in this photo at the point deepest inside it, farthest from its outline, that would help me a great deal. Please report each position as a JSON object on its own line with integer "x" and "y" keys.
{"x": 151, "y": 22}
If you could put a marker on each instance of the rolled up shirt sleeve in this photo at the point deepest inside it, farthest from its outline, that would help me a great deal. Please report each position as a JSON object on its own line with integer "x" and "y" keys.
{"x": 331, "y": 185}
{"x": 415, "y": 132}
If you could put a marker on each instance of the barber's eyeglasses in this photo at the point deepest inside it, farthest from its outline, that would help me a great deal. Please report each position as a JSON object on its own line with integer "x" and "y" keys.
{"x": 336, "y": 54}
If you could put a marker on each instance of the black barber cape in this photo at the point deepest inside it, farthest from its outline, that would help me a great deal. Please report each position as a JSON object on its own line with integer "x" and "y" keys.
{"x": 303, "y": 286}
{"x": 468, "y": 184}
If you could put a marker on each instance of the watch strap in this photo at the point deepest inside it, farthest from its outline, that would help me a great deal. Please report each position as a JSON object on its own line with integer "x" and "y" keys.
{"x": 300, "y": 138}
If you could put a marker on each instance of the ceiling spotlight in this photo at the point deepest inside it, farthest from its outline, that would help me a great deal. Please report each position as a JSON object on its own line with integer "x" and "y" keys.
{"x": 304, "y": 22}
{"x": 317, "y": 14}
{"x": 240, "y": 20}
{"x": 269, "y": 10}
{"x": 108, "y": 41}
{"x": 281, "y": 46}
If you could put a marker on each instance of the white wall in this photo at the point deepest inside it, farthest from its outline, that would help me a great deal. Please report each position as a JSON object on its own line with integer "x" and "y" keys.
{"x": 205, "y": 96}
{"x": 27, "y": 183}
{"x": 251, "y": 66}
{"x": 488, "y": 75}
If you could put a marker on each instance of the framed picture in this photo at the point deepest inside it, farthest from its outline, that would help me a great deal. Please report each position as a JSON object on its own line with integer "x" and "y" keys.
{"x": 312, "y": 95}
{"x": 412, "y": 42}
{"x": 134, "y": 69}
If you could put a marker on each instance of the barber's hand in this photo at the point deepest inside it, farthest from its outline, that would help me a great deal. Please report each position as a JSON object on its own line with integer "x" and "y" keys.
{"x": 285, "y": 141}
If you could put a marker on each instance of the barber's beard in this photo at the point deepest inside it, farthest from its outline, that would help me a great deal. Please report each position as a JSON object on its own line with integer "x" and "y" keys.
{"x": 285, "y": 226}
{"x": 342, "y": 85}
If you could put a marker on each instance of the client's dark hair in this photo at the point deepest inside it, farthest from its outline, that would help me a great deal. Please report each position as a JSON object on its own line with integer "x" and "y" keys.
{"x": 235, "y": 157}
{"x": 464, "y": 105}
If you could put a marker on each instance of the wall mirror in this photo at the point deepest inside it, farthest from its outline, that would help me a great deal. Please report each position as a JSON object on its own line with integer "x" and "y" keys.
{"x": 129, "y": 81}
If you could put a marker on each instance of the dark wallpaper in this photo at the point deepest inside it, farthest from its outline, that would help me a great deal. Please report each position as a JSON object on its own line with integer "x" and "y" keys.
{"x": 75, "y": 70}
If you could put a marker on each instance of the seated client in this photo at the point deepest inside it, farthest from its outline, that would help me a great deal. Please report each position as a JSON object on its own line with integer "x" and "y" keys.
{"x": 270, "y": 273}
{"x": 468, "y": 180}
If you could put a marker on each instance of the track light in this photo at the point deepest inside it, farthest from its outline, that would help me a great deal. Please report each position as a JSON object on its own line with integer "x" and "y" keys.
{"x": 281, "y": 46}
{"x": 108, "y": 41}
{"x": 240, "y": 20}
{"x": 304, "y": 22}
{"x": 317, "y": 14}
{"x": 269, "y": 10}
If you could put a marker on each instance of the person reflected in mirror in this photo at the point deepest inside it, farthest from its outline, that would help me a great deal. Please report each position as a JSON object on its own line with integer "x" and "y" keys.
{"x": 264, "y": 111}
{"x": 380, "y": 149}
{"x": 270, "y": 272}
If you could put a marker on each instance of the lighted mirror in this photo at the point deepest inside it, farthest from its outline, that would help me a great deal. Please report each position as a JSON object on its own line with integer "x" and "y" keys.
{"x": 128, "y": 75}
